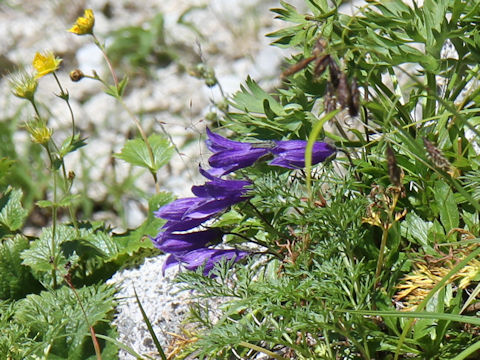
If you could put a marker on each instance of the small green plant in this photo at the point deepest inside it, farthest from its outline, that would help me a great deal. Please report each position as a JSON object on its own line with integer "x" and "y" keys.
{"x": 374, "y": 254}
{"x": 55, "y": 303}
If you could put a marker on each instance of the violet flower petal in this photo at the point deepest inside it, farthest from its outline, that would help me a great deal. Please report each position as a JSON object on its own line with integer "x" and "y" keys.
{"x": 216, "y": 143}
{"x": 209, "y": 257}
{"x": 177, "y": 208}
{"x": 229, "y": 155}
{"x": 291, "y": 153}
{"x": 171, "y": 226}
{"x": 218, "y": 188}
{"x": 211, "y": 207}
{"x": 180, "y": 243}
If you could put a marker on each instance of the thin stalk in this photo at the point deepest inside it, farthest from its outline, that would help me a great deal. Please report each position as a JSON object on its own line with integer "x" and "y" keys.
{"x": 429, "y": 109}
{"x": 130, "y": 112}
{"x": 262, "y": 350}
{"x": 109, "y": 64}
{"x": 32, "y": 101}
{"x": 145, "y": 139}
{"x": 383, "y": 243}
{"x": 381, "y": 256}
{"x": 54, "y": 219}
{"x": 328, "y": 344}
{"x": 265, "y": 221}
{"x": 96, "y": 346}
{"x": 255, "y": 241}
{"x": 64, "y": 96}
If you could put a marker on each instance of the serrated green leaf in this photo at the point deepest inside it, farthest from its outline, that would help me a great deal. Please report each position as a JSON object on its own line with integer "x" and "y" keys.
{"x": 102, "y": 241}
{"x": 12, "y": 214}
{"x": 42, "y": 258}
{"x": 136, "y": 152}
{"x": 16, "y": 280}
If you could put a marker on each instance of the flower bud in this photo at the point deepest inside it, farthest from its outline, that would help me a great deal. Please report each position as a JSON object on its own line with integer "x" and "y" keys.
{"x": 76, "y": 75}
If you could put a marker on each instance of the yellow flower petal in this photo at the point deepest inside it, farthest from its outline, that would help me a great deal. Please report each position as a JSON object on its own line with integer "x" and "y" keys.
{"x": 45, "y": 63}
{"x": 84, "y": 24}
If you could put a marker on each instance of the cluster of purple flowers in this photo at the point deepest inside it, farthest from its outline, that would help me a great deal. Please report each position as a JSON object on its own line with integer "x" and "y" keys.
{"x": 191, "y": 249}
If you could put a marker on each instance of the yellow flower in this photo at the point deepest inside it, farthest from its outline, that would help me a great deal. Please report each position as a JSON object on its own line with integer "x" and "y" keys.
{"x": 45, "y": 63}
{"x": 84, "y": 24}
{"x": 24, "y": 85}
{"x": 39, "y": 131}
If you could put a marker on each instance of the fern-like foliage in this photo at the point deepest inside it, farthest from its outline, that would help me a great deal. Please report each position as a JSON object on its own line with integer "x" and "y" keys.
{"x": 56, "y": 322}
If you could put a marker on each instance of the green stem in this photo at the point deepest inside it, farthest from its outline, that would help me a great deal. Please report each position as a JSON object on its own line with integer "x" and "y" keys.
{"x": 96, "y": 346}
{"x": 130, "y": 112}
{"x": 262, "y": 350}
{"x": 429, "y": 109}
{"x": 32, "y": 101}
{"x": 64, "y": 96}
{"x": 265, "y": 221}
{"x": 381, "y": 256}
{"x": 54, "y": 219}
{"x": 109, "y": 64}
{"x": 145, "y": 139}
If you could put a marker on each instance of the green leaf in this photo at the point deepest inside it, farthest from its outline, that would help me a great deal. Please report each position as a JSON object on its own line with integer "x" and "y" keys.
{"x": 12, "y": 214}
{"x": 133, "y": 240}
{"x": 136, "y": 152}
{"x": 57, "y": 319}
{"x": 252, "y": 98}
{"x": 64, "y": 202}
{"x": 44, "y": 203}
{"x": 447, "y": 206}
{"x": 16, "y": 280}
{"x": 70, "y": 145}
{"x": 415, "y": 229}
{"x": 43, "y": 256}
{"x": 122, "y": 85}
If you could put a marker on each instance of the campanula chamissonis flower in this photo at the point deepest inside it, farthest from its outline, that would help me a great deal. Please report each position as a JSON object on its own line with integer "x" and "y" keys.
{"x": 229, "y": 155}
{"x": 291, "y": 153}
{"x": 190, "y": 249}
